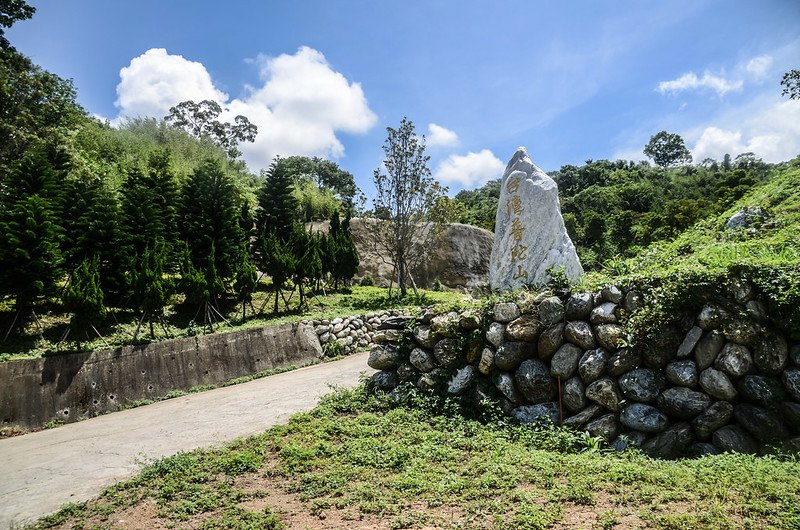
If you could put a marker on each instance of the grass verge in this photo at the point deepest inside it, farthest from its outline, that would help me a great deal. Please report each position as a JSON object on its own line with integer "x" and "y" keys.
{"x": 360, "y": 461}
{"x": 119, "y": 330}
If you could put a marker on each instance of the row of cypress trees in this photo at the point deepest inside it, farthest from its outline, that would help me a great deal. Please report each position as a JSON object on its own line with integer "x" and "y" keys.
{"x": 83, "y": 244}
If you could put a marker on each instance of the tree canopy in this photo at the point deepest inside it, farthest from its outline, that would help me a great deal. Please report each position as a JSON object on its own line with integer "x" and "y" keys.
{"x": 667, "y": 150}
{"x": 200, "y": 120}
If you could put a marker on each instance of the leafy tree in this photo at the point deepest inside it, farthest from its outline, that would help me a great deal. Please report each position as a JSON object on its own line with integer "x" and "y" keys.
{"x": 409, "y": 194}
{"x": 480, "y": 205}
{"x": 37, "y": 107}
{"x": 667, "y": 150}
{"x": 277, "y": 204}
{"x": 314, "y": 203}
{"x": 791, "y": 84}
{"x": 209, "y": 218}
{"x": 325, "y": 174}
{"x": 200, "y": 120}
{"x": 12, "y": 11}
{"x": 84, "y": 299}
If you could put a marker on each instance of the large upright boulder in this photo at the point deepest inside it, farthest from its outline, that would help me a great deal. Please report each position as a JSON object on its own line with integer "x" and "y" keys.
{"x": 530, "y": 236}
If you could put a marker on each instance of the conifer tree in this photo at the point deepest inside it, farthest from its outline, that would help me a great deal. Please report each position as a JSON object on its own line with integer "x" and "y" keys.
{"x": 278, "y": 206}
{"x": 31, "y": 264}
{"x": 141, "y": 219}
{"x": 93, "y": 229}
{"x": 84, "y": 299}
{"x": 209, "y": 218}
{"x": 305, "y": 247}
{"x": 278, "y": 260}
{"x": 347, "y": 260}
{"x": 151, "y": 289}
{"x": 160, "y": 178}
{"x": 246, "y": 281}
{"x": 30, "y": 203}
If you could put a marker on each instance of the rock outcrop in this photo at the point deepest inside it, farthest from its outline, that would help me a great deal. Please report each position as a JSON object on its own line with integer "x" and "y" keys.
{"x": 460, "y": 262}
{"x": 530, "y": 236}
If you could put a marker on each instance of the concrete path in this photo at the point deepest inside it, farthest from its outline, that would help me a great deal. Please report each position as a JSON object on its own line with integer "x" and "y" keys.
{"x": 41, "y": 471}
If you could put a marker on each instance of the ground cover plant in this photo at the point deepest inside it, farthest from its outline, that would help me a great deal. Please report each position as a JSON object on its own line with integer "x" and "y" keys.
{"x": 360, "y": 460}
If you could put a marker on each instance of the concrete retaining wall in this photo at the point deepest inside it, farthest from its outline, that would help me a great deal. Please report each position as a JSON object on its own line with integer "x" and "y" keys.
{"x": 80, "y": 385}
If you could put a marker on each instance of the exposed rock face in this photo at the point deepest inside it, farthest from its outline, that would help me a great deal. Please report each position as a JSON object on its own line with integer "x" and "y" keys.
{"x": 461, "y": 259}
{"x": 530, "y": 236}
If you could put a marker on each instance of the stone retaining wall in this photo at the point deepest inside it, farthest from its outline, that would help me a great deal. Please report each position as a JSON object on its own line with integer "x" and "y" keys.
{"x": 73, "y": 386}
{"x": 723, "y": 379}
{"x": 352, "y": 333}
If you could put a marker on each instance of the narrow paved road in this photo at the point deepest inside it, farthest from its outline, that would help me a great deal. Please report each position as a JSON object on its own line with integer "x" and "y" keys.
{"x": 43, "y": 470}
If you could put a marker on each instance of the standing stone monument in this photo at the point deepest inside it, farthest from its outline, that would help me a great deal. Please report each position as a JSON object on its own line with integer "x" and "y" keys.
{"x": 530, "y": 236}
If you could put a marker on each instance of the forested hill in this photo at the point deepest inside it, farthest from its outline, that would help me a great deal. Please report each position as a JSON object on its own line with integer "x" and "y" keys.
{"x": 615, "y": 209}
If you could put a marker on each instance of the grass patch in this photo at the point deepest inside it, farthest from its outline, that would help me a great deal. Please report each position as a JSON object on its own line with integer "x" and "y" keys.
{"x": 359, "y": 456}
{"x": 119, "y": 328}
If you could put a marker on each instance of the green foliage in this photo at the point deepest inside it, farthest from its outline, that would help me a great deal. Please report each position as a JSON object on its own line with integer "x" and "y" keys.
{"x": 31, "y": 261}
{"x": 329, "y": 178}
{"x": 791, "y": 84}
{"x": 667, "y": 149}
{"x": 685, "y": 272}
{"x": 408, "y": 194}
{"x": 314, "y": 203}
{"x": 209, "y": 218}
{"x": 93, "y": 229}
{"x": 200, "y": 120}
{"x": 151, "y": 290}
{"x": 277, "y": 203}
{"x": 479, "y": 205}
{"x": 277, "y": 259}
{"x": 37, "y": 106}
{"x": 84, "y": 298}
{"x": 362, "y": 453}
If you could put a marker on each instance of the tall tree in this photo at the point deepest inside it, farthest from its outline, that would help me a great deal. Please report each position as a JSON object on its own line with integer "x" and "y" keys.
{"x": 408, "y": 193}
{"x": 347, "y": 261}
{"x": 83, "y": 297}
{"x": 278, "y": 260}
{"x": 200, "y": 120}
{"x": 277, "y": 205}
{"x": 93, "y": 230}
{"x": 667, "y": 149}
{"x": 30, "y": 257}
{"x": 209, "y": 218}
{"x": 324, "y": 173}
{"x": 245, "y": 282}
{"x": 151, "y": 289}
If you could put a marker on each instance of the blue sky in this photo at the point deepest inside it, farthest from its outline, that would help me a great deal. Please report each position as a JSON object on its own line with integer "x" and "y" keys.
{"x": 571, "y": 81}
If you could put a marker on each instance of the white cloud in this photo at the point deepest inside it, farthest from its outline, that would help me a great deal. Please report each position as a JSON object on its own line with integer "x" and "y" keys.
{"x": 691, "y": 81}
{"x": 758, "y": 66}
{"x": 772, "y": 134}
{"x": 299, "y": 109}
{"x": 441, "y": 136}
{"x": 471, "y": 169}
{"x": 155, "y": 81}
